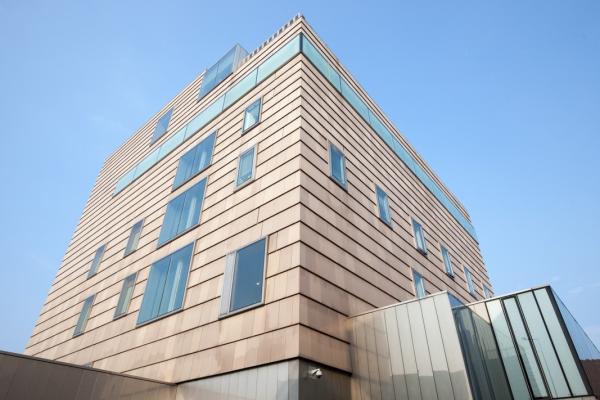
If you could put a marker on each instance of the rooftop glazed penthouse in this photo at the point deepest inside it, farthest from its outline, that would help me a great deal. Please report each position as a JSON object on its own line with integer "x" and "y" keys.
{"x": 231, "y": 238}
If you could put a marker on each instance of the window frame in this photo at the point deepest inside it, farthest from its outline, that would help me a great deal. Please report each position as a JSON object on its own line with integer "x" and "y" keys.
{"x": 254, "y": 149}
{"x": 191, "y": 228}
{"x": 127, "y": 253}
{"x": 421, "y": 279}
{"x": 185, "y": 289}
{"x": 389, "y": 209}
{"x": 487, "y": 292}
{"x": 174, "y": 187}
{"x": 228, "y": 283}
{"x": 450, "y": 272}
{"x": 126, "y": 312}
{"x": 87, "y": 318}
{"x": 258, "y": 121}
{"x": 154, "y": 138}
{"x": 330, "y": 146}
{"x": 414, "y": 223}
{"x": 93, "y": 271}
{"x": 469, "y": 280}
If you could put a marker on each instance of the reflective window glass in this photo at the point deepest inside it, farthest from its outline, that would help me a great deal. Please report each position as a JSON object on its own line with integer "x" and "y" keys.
{"x": 162, "y": 125}
{"x": 252, "y": 115}
{"x": 96, "y": 261}
{"x": 195, "y": 160}
{"x": 84, "y": 315}
{"x": 183, "y": 212}
{"x": 134, "y": 237}
{"x": 419, "y": 237}
{"x": 337, "y": 162}
{"x": 419, "y": 285}
{"x": 125, "y": 296}
{"x": 245, "y": 171}
{"x": 447, "y": 261}
{"x": 383, "y": 206}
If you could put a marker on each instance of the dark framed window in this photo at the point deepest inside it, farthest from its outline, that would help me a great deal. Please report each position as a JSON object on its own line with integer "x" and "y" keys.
{"x": 469, "y": 279}
{"x": 383, "y": 206}
{"x": 165, "y": 288}
{"x": 125, "y": 296}
{"x": 252, "y": 115}
{"x": 447, "y": 261}
{"x": 162, "y": 125}
{"x": 84, "y": 315}
{"x": 246, "y": 167}
{"x": 195, "y": 160}
{"x": 96, "y": 261}
{"x": 244, "y": 278}
{"x": 337, "y": 165}
{"x": 134, "y": 237}
{"x": 420, "y": 243}
{"x": 419, "y": 285}
{"x": 183, "y": 213}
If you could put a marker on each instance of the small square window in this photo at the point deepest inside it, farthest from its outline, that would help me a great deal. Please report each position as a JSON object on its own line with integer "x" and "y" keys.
{"x": 447, "y": 261}
{"x": 162, "y": 125}
{"x": 469, "y": 279}
{"x": 252, "y": 115}
{"x": 244, "y": 278}
{"x": 337, "y": 165}
{"x": 383, "y": 205}
{"x": 419, "y": 285}
{"x": 134, "y": 237}
{"x": 125, "y": 296}
{"x": 246, "y": 167}
{"x": 96, "y": 261}
{"x": 84, "y": 315}
{"x": 420, "y": 243}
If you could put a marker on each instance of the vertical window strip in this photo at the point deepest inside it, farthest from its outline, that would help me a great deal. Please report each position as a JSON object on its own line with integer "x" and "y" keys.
{"x": 447, "y": 261}
{"x": 196, "y": 160}
{"x": 96, "y": 261}
{"x": 337, "y": 165}
{"x": 469, "y": 279}
{"x": 162, "y": 125}
{"x": 84, "y": 315}
{"x": 134, "y": 237}
{"x": 419, "y": 285}
{"x": 125, "y": 296}
{"x": 383, "y": 205}
{"x": 246, "y": 167}
{"x": 419, "y": 237}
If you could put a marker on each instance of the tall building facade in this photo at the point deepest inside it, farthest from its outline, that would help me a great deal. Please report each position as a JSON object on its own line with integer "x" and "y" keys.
{"x": 236, "y": 235}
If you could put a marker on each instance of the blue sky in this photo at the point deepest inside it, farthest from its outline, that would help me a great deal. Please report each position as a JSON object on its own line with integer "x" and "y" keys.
{"x": 502, "y": 98}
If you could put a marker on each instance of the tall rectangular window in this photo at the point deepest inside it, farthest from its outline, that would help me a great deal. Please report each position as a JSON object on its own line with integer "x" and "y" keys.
{"x": 125, "y": 296}
{"x": 195, "y": 160}
{"x": 166, "y": 285}
{"x": 245, "y": 170}
{"x": 487, "y": 293}
{"x": 447, "y": 261}
{"x": 183, "y": 212}
{"x": 383, "y": 205}
{"x": 337, "y": 165}
{"x": 162, "y": 125}
{"x": 134, "y": 237}
{"x": 96, "y": 261}
{"x": 252, "y": 115}
{"x": 244, "y": 277}
{"x": 469, "y": 279}
{"x": 419, "y": 237}
{"x": 419, "y": 285}
{"x": 84, "y": 315}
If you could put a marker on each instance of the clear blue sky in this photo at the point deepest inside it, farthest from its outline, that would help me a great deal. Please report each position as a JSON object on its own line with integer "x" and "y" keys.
{"x": 502, "y": 98}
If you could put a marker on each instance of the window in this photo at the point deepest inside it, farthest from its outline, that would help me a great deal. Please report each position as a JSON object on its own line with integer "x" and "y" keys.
{"x": 447, "y": 261}
{"x": 419, "y": 237}
{"x": 125, "y": 296}
{"x": 245, "y": 171}
{"x": 222, "y": 69}
{"x": 161, "y": 125}
{"x": 469, "y": 279}
{"x": 244, "y": 277}
{"x": 252, "y": 115}
{"x": 84, "y": 315}
{"x": 419, "y": 285}
{"x": 337, "y": 164}
{"x": 183, "y": 212}
{"x": 166, "y": 285}
{"x": 383, "y": 206}
{"x": 487, "y": 293}
{"x": 134, "y": 237}
{"x": 195, "y": 160}
{"x": 96, "y": 261}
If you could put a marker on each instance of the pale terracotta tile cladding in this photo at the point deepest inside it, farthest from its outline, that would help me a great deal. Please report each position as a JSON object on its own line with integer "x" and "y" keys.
{"x": 329, "y": 255}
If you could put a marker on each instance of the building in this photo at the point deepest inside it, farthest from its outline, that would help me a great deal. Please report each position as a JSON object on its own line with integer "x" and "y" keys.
{"x": 234, "y": 241}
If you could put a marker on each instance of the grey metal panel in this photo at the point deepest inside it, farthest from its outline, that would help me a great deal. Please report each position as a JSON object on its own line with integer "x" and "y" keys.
{"x": 383, "y": 356}
{"x": 436, "y": 349}
{"x": 360, "y": 361}
{"x": 293, "y": 380}
{"x": 454, "y": 357}
{"x": 408, "y": 354}
{"x": 428, "y": 389}
{"x": 372, "y": 357}
{"x": 396, "y": 363}
{"x": 8, "y": 368}
{"x": 282, "y": 381}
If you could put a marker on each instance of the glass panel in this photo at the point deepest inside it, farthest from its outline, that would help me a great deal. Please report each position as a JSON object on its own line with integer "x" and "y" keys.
{"x": 134, "y": 237}
{"x": 171, "y": 143}
{"x": 245, "y": 167}
{"x": 545, "y": 350}
{"x": 524, "y": 345}
{"x": 419, "y": 285}
{"x": 252, "y": 115}
{"x": 560, "y": 342}
{"x": 354, "y": 100}
{"x": 469, "y": 279}
{"x": 383, "y": 205}
{"x": 508, "y": 352}
{"x": 195, "y": 160}
{"x": 96, "y": 261}
{"x": 248, "y": 276}
{"x": 166, "y": 285}
{"x": 185, "y": 168}
{"x": 447, "y": 261}
{"x": 278, "y": 59}
{"x": 338, "y": 165}
{"x": 241, "y": 88}
{"x": 171, "y": 222}
{"x": 419, "y": 236}
{"x": 161, "y": 125}
{"x": 83, "y": 315}
{"x": 183, "y": 212}
{"x": 125, "y": 296}
{"x": 219, "y": 71}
